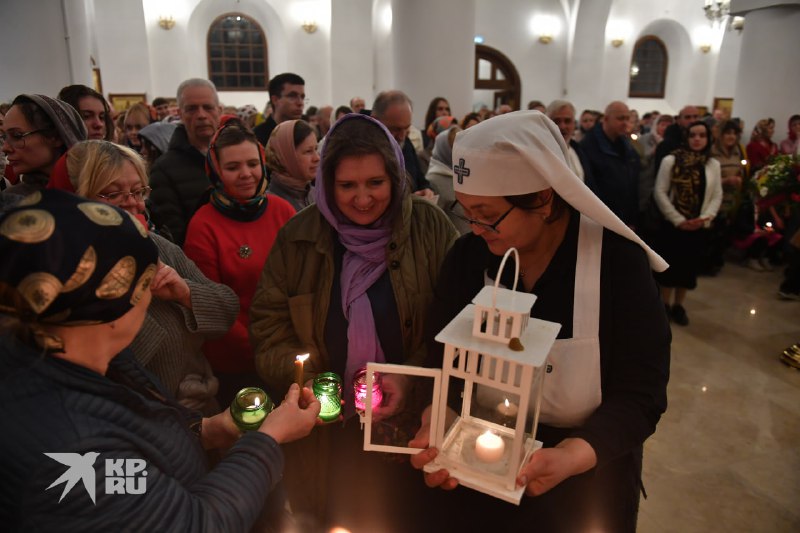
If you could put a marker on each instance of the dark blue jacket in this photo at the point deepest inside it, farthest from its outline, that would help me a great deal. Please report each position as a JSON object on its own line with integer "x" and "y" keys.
{"x": 614, "y": 171}
{"x": 49, "y": 405}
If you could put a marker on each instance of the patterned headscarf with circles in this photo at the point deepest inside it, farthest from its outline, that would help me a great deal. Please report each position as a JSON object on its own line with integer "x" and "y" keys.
{"x": 70, "y": 261}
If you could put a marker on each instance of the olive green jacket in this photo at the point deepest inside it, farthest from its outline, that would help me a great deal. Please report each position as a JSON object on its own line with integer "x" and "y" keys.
{"x": 291, "y": 302}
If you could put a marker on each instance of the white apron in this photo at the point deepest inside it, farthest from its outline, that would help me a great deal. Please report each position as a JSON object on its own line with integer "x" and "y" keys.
{"x": 572, "y": 385}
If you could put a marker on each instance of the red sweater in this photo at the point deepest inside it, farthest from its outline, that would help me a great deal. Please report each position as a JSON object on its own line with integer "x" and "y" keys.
{"x": 232, "y": 252}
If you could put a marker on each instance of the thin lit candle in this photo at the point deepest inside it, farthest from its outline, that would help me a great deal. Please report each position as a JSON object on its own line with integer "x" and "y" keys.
{"x": 298, "y": 369}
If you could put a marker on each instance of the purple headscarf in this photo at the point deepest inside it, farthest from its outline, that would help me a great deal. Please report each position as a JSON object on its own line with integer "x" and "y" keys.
{"x": 364, "y": 261}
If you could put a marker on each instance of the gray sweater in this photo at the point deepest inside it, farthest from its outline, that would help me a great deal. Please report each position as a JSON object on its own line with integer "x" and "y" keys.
{"x": 170, "y": 341}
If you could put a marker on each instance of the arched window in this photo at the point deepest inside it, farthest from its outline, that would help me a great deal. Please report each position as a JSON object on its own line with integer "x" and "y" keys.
{"x": 648, "y": 68}
{"x": 237, "y": 54}
{"x": 493, "y": 70}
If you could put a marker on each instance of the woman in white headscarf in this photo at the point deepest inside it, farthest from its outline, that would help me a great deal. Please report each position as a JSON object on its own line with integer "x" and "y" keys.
{"x": 606, "y": 384}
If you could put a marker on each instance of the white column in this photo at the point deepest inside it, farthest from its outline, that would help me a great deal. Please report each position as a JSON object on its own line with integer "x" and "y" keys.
{"x": 768, "y": 78}
{"x": 76, "y": 35}
{"x": 434, "y": 53}
{"x": 352, "y": 51}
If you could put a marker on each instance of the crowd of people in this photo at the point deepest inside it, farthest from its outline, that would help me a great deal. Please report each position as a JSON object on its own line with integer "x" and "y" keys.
{"x": 159, "y": 260}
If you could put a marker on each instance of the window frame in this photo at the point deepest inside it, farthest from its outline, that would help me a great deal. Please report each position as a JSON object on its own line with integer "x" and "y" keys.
{"x": 222, "y": 75}
{"x": 664, "y": 72}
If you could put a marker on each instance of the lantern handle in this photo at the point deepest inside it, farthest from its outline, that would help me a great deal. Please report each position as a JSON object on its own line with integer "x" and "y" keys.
{"x": 500, "y": 271}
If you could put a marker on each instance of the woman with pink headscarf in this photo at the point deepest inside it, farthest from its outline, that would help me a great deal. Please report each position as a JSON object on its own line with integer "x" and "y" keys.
{"x": 292, "y": 160}
{"x": 761, "y": 148}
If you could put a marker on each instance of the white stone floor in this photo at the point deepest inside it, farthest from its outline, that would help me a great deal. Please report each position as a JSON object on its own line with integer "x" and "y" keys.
{"x": 726, "y": 455}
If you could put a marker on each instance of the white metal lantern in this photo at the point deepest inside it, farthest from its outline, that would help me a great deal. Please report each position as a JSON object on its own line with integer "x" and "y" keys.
{"x": 497, "y": 352}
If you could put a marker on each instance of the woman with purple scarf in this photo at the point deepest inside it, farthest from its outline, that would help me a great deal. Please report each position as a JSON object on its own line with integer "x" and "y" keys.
{"x": 349, "y": 280}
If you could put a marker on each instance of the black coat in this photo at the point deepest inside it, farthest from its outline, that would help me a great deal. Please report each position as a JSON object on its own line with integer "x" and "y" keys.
{"x": 52, "y": 406}
{"x": 614, "y": 169}
{"x": 179, "y": 180}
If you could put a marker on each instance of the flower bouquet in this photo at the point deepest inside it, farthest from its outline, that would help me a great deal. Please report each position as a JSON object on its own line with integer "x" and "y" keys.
{"x": 779, "y": 182}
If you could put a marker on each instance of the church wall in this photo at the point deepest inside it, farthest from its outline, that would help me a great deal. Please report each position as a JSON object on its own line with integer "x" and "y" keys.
{"x": 383, "y": 48}
{"x": 122, "y": 47}
{"x": 352, "y": 67}
{"x": 768, "y": 77}
{"x": 585, "y": 69}
{"x": 429, "y": 60}
{"x": 289, "y": 47}
{"x": 32, "y": 61}
{"x": 728, "y": 65}
{"x": 506, "y": 26}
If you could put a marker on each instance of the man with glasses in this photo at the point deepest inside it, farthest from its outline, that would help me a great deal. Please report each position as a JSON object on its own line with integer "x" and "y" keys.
{"x": 179, "y": 177}
{"x": 676, "y": 133}
{"x": 287, "y": 95}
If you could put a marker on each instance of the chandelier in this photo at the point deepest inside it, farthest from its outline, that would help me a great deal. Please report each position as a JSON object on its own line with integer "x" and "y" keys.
{"x": 717, "y": 10}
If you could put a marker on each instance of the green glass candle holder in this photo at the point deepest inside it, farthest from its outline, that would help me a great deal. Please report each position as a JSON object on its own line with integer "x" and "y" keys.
{"x": 327, "y": 388}
{"x": 250, "y": 407}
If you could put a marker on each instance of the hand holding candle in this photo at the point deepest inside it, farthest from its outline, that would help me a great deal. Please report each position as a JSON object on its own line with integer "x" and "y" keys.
{"x": 298, "y": 369}
{"x": 250, "y": 407}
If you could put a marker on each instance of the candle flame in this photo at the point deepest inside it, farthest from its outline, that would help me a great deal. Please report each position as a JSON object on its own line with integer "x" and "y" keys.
{"x": 744, "y": 161}
{"x": 257, "y": 401}
{"x": 506, "y": 402}
{"x": 303, "y": 357}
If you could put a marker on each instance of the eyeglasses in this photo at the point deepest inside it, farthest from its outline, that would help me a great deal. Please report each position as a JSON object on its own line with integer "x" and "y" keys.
{"x": 16, "y": 139}
{"x": 296, "y": 97}
{"x": 120, "y": 196}
{"x": 483, "y": 225}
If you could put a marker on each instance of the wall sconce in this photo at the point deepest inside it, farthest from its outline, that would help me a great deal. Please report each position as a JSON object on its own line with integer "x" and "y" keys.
{"x": 618, "y": 31}
{"x": 705, "y": 48}
{"x": 166, "y": 23}
{"x": 309, "y": 26}
{"x": 545, "y": 28}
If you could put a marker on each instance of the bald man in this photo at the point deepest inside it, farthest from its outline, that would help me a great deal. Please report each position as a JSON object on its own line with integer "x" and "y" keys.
{"x": 613, "y": 162}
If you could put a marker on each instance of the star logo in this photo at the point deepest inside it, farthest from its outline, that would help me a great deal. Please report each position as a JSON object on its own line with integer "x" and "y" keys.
{"x": 81, "y": 468}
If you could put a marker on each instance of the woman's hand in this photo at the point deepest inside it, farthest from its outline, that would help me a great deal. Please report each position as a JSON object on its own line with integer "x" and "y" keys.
{"x": 550, "y": 466}
{"x": 441, "y": 478}
{"x": 168, "y": 285}
{"x": 395, "y": 390}
{"x": 692, "y": 224}
{"x": 294, "y": 418}
{"x": 219, "y": 431}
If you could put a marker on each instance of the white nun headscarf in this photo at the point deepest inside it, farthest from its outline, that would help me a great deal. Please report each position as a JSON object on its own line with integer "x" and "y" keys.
{"x": 523, "y": 153}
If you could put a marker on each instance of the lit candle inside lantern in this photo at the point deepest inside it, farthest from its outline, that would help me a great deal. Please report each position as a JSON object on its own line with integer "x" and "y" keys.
{"x": 489, "y": 447}
{"x": 298, "y": 369}
{"x": 250, "y": 407}
{"x": 360, "y": 390}
{"x": 328, "y": 390}
{"x": 507, "y": 409}
{"x": 744, "y": 162}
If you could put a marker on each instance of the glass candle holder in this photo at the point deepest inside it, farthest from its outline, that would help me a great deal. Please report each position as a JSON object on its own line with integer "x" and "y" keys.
{"x": 250, "y": 407}
{"x": 327, "y": 388}
{"x": 360, "y": 390}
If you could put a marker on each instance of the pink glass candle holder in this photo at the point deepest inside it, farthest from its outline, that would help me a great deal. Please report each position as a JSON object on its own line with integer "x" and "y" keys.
{"x": 360, "y": 390}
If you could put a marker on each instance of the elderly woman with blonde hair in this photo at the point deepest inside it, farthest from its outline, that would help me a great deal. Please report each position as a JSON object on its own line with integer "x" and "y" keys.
{"x": 187, "y": 307}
